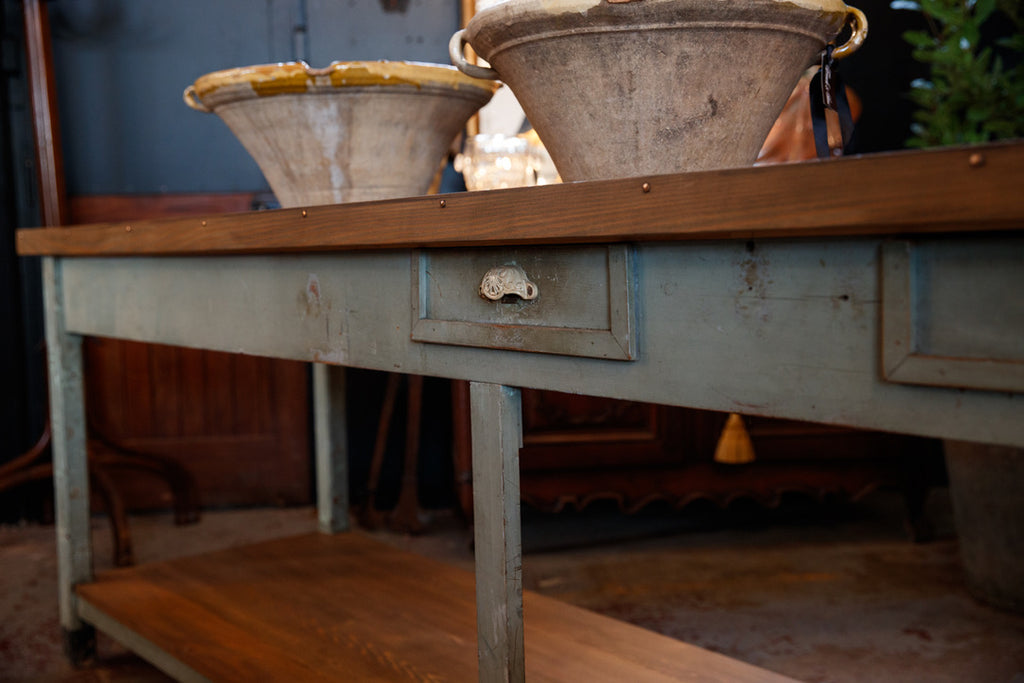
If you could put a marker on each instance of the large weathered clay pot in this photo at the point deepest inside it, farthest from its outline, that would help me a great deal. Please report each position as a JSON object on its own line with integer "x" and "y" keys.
{"x": 352, "y": 131}
{"x": 635, "y": 87}
{"x": 985, "y": 484}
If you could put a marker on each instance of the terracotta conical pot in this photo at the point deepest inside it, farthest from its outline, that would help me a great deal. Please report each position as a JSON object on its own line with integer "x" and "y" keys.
{"x": 352, "y": 131}
{"x": 636, "y": 87}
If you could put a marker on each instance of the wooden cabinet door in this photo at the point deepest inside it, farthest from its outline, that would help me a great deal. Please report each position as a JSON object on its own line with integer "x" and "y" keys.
{"x": 238, "y": 424}
{"x": 580, "y": 449}
{"x": 604, "y": 432}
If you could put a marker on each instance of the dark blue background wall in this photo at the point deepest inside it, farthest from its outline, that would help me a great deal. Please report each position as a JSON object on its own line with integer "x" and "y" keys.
{"x": 121, "y": 66}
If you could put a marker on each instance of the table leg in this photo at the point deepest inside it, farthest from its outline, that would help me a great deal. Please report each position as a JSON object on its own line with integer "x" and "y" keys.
{"x": 330, "y": 428}
{"x": 70, "y": 468}
{"x": 496, "y": 413}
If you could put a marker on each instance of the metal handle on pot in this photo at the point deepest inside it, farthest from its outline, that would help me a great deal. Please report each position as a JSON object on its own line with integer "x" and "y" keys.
{"x": 192, "y": 100}
{"x": 456, "y": 50}
{"x": 859, "y": 28}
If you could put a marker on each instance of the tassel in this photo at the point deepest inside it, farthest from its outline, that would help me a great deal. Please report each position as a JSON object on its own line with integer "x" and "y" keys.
{"x": 734, "y": 445}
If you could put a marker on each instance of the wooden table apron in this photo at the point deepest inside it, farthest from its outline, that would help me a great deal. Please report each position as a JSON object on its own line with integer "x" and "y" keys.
{"x": 904, "y": 330}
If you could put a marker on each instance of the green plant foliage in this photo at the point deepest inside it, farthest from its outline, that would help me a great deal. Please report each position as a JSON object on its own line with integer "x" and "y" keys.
{"x": 971, "y": 95}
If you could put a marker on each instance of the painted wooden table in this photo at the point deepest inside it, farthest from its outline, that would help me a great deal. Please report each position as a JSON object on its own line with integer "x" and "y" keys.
{"x": 880, "y": 292}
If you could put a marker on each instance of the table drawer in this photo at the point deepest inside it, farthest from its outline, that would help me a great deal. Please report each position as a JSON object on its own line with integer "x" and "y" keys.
{"x": 573, "y": 301}
{"x": 952, "y": 313}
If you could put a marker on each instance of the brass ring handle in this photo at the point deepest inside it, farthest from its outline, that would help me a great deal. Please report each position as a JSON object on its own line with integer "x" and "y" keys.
{"x": 192, "y": 100}
{"x": 859, "y": 26}
{"x": 457, "y": 51}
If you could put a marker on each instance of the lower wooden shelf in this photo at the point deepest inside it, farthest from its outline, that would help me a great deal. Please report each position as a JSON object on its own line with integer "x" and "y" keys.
{"x": 348, "y": 607}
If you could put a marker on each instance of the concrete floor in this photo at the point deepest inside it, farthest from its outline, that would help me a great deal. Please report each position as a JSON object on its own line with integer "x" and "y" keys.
{"x": 819, "y": 593}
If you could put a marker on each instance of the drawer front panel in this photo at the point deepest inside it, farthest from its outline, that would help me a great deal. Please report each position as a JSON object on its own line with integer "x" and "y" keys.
{"x": 575, "y": 301}
{"x": 953, "y": 314}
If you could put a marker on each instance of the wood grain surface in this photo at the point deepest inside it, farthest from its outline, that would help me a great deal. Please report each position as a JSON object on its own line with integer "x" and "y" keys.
{"x": 895, "y": 193}
{"x": 348, "y": 607}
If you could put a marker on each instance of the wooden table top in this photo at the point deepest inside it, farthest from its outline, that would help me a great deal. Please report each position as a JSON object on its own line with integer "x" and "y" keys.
{"x": 960, "y": 189}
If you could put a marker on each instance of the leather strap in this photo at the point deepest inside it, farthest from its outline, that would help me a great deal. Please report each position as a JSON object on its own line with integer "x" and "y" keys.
{"x": 828, "y": 92}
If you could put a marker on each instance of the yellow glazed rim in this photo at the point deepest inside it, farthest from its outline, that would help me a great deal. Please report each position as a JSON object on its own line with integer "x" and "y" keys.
{"x": 581, "y": 6}
{"x": 298, "y": 77}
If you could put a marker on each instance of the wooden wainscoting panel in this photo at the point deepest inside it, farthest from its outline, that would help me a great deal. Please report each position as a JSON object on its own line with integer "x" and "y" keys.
{"x": 238, "y": 424}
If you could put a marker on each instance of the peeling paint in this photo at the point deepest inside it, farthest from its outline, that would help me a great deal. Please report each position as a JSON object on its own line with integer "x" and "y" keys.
{"x": 752, "y": 299}
{"x": 311, "y": 296}
{"x": 756, "y": 275}
{"x": 330, "y": 356}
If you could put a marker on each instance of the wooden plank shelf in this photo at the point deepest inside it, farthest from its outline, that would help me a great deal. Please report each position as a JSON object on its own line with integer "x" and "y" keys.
{"x": 349, "y": 607}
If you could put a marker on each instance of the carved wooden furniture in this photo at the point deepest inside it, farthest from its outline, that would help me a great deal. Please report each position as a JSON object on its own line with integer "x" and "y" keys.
{"x": 580, "y": 449}
{"x": 878, "y": 302}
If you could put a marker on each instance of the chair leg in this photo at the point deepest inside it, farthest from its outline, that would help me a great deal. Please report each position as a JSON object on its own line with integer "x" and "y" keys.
{"x": 406, "y": 515}
{"x": 184, "y": 490}
{"x": 26, "y": 474}
{"x": 28, "y": 457}
{"x": 119, "y": 529}
{"x": 369, "y": 516}
{"x": 124, "y": 555}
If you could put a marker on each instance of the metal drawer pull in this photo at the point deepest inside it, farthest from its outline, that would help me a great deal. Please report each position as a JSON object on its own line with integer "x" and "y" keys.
{"x": 507, "y": 280}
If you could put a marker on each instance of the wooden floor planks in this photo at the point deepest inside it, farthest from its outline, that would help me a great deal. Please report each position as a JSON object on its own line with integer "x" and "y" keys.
{"x": 350, "y": 608}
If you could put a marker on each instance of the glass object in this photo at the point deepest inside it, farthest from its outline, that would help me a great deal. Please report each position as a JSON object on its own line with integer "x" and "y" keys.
{"x": 491, "y": 162}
